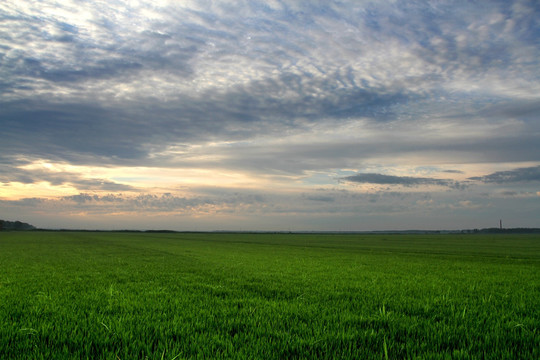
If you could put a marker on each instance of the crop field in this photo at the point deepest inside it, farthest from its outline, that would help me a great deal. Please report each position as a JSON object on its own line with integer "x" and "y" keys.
{"x": 107, "y": 295}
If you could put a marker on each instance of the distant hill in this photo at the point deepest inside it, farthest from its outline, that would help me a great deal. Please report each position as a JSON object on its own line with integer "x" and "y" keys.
{"x": 15, "y": 225}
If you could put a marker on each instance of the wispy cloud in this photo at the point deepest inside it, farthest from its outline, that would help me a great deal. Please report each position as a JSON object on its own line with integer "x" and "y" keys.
{"x": 145, "y": 203}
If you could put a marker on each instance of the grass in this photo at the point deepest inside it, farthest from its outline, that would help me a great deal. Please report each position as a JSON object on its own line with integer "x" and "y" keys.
{"x": 87, "y": 295}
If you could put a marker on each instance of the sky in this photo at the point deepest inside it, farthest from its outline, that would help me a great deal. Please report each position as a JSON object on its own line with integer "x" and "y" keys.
{"x": 270, "y": 115}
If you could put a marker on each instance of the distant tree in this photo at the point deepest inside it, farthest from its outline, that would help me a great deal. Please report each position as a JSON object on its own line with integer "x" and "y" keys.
{"x": 15, "y": 225}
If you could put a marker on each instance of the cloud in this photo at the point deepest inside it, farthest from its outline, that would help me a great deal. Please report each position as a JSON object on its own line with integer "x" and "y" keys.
{"x": 109, "y": 83}
{"x": 380, "y": 179}
{"x": 75, "y": 131}
{"x": 468, "y": 204}
{"x": 10, "y": 173}
{"x": 528, "y": 174}
{"x": 145, "y": 203}
{"x": 25, "y": 202}
{"x": 315, "y": 197}
{"x": 453, "y": 171}
{"x": 266, "y": 92}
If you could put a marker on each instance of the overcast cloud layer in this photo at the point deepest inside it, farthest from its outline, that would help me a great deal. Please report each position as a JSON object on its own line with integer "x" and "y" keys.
{"x": 270, "y": 115}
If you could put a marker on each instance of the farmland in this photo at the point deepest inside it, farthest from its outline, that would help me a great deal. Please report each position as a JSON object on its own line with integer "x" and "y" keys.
{"x": 107, "y": 295}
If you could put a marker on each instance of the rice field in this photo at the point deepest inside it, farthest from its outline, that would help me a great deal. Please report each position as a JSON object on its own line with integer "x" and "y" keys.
{"x": 122, "y": 295}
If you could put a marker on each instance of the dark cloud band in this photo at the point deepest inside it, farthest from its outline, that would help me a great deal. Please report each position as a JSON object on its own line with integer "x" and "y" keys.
{"x": 380, "y": 179}
{"x": 528, "y": 174}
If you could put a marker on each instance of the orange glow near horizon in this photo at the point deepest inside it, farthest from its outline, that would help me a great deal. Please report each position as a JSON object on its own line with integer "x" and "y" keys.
{"x": 76, "y": 179}
{"x": 17, "y": 191}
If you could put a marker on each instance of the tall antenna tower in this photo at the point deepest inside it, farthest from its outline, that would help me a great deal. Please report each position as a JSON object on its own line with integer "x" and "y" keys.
{"x": 500, "y": 224}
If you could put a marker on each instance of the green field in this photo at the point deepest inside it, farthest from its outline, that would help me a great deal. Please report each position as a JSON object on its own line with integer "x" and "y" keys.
{"x": 104, "y": 295}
